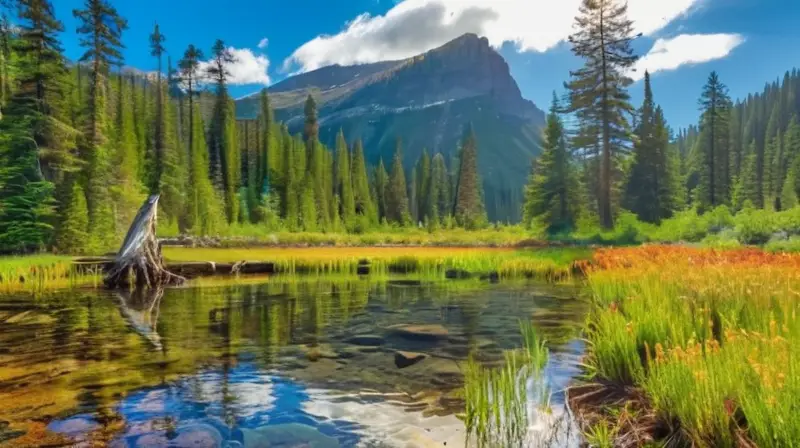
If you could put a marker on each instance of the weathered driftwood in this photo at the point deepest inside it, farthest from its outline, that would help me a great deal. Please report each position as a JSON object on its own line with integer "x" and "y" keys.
{"x": 139, "y": 262}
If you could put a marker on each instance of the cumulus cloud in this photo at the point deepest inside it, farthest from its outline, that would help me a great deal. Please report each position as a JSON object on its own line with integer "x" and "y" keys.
{"x": 669, "y": 54}
{"x": 415, "y": 26}
{"x": 262, "y": 44}
{"x": 249, "y": 68}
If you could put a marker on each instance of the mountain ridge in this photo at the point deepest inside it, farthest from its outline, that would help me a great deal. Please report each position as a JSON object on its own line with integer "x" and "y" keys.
{"x": 427, "y": 101}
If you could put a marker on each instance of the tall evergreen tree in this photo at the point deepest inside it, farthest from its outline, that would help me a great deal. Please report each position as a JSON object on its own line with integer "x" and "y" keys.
{"x": 361, "y": 192}
{"x": 715, "y": 107}
{"x": 343, "y": 184}
{"x": 268, "y": 141}
{"x": 746, "y": 188}
{"x": 396, "y": 192}
{"x": 424, "y": 203}
{"x": 218, "y": 73}
{"x": 468, "y": 208}
{"x": 598, "y": 94}
{"x": 101, "y": 27}
{"x": 36, "y": 146}
{"x": 381, "y": 187}
{"x": 205, "y": 215}
{"x": 648, "y": 193}
{"x": 159, "y": 136}
{"x": 551, "y": 196}
{"x": 440, "y": 187}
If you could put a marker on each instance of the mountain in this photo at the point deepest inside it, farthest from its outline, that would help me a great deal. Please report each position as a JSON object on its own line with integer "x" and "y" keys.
{"x": 428, "y": 101}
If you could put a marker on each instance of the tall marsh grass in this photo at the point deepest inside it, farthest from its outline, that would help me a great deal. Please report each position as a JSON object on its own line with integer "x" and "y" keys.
{"x": 431, "y": 262}
{"x": 711, "y": 337}
{"x": 497, "y": 398}
{"x": 38, "y": 273}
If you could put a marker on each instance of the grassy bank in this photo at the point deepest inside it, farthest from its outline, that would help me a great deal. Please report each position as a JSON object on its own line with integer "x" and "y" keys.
{"x": 703, "y": 345}
{"x": 493, "y": 236}
{"x": 37, "y": 273}
{"x": 550, "y": 264}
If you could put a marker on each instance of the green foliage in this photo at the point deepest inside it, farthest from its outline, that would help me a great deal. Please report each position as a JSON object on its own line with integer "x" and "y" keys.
{"x": 396, "y": 207}
{"x": 73, "y": 235}
{"x": 551, "y": 196}
{"x": 468, "y": 208}
{"x": 603, "y": 40}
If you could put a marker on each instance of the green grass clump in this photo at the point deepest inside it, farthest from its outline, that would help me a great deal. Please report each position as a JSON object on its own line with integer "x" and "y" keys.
{"x": 496, "y": 398}
{"x": 38, "y": 273}
{"x": 712, "y": 338}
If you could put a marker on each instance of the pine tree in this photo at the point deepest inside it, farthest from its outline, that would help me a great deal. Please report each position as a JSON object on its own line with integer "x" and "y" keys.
{"x": 788, "y": 191}
{"x": 440, "y": 187}
{"x": 232, "y": 163}
{"x": 268, "y": 142}
{"x": 73, "y": 236}
{"x": 126, "y": 188}
{"x": 598, "y": 95}
{"x": 308, "y": 205}
{"x": 343, "y": 183}
{"x": 159, "y": 135}
{"x": 396, "y": 193}
{"x": 217, "y": 71}
{"x": 290, "y": 198}
{"x": 102, "y": 27}
{"x": 205, "y": 215}
{"x": 746, "y": 188}
{"x": 361, "y": 191}
{"x": 551, "y": 196}
{"x": 381, "y": 187}
{"x": 715, "y": 105}
{"x": 468, "y": 208}
{"x": 424, "y": 202}
{"x": 648, "y": 193}
{"x": 36, "y": 145}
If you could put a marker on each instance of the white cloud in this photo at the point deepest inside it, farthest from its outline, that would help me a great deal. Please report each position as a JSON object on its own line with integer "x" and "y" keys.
{"x": 262, "y": 44}
{"x": 415, "y": 26}
{"x": 669, "y": 54}
{"x": 249, "y": 68}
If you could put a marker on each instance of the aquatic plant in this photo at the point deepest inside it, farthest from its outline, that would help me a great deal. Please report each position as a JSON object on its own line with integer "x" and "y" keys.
{"x": 497, "y": 397}
{"x": 712, "y": 339}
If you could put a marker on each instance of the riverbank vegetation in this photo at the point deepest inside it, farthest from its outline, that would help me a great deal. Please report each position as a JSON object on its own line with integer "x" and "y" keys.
{"x": 702, "y": 342}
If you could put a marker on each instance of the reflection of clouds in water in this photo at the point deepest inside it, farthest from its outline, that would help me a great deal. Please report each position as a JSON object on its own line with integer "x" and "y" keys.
{"x": 387, "y": 423}
{"x": 153, "y": 401}
{"x": 252, "y": 398}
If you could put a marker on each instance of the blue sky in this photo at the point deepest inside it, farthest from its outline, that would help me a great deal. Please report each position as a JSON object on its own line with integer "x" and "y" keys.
{"x": 749, "y": 42}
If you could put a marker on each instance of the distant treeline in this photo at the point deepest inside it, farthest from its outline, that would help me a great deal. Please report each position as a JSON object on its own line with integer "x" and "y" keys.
{"x": 82, "y": 144}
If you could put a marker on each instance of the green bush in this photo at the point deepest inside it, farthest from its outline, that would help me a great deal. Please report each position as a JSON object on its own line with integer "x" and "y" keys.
{"x": 755, "y": 226}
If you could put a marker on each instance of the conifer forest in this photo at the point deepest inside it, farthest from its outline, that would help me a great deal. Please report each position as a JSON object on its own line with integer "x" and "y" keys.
{"x": 84, "y": 141}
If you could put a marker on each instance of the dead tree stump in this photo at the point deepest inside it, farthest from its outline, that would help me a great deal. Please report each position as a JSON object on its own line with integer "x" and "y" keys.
{"x": 139, "y": 262}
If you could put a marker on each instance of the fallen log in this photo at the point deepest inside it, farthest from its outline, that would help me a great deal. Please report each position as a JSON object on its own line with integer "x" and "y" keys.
{"x": 139, "y": 262}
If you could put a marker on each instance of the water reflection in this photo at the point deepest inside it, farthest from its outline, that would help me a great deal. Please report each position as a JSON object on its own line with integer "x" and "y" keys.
{"x": 319, "y": 352}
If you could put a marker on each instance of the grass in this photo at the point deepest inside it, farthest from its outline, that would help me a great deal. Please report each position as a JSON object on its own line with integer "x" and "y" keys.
{"x": 493, "y": 236}
{"x": 496, "y": 398}
{"x": 712, "y": 339}
{"x": 431, "y": 262}
{"x": 38, "y": 273}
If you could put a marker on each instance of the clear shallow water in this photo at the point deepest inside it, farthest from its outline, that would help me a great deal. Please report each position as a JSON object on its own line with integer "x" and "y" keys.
{"x": 296, "y": 362}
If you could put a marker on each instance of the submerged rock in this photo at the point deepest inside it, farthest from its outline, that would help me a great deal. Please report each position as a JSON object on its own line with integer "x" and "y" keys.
{"x": 199, "y": 436}
{"x": 433, "y": 332}
{"x": 288, "y": 435}
{"x": 404, "y": 359}
{"x": 366, "y": 339}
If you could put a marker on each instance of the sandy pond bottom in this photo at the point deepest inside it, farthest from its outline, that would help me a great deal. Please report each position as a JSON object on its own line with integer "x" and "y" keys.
{"x": 276, "y": 363}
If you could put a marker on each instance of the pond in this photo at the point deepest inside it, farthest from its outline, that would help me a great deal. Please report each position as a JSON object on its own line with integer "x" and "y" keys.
{"x": 280, "y": 361}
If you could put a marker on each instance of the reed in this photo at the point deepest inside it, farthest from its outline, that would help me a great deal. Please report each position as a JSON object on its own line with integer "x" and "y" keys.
{"x": 711, "y": 337}
{"x": 39, "y": 273}
{"x": 432, "y": 262}
{"x": 497, "y": 398}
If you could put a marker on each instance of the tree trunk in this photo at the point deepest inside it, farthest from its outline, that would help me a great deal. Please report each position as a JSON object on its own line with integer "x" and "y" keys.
{"x": 139, "y": 262}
